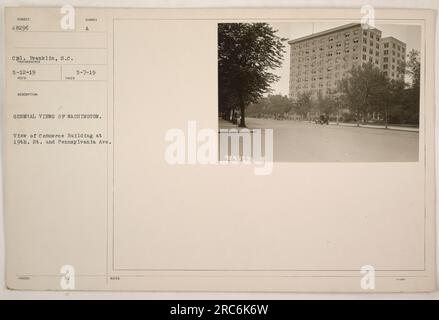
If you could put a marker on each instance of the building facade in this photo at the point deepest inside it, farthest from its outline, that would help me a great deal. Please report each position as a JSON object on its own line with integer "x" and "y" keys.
{"x": 393, "y": 53}
{"x": 320, "y": 60}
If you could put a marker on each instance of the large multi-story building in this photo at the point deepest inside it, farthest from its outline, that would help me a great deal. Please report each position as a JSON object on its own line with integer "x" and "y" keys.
{"x": 393, "y": 52}
{"x": 319, "y": 60}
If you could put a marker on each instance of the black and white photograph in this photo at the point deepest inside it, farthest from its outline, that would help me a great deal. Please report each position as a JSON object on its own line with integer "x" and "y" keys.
{"x": 331, "y": 92}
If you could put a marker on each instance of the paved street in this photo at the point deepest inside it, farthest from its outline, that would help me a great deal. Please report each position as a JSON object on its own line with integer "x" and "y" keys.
{"x": 309, "y": 142}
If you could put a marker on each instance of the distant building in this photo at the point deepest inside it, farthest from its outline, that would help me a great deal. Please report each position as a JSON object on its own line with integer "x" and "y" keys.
{"x": 393, "y": 53}
{"x": 319, "y": 60}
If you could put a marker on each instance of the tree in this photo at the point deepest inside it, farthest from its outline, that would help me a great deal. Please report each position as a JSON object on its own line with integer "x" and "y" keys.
{"x": 413, "y": 92}
{"x": 326, "y": 104}
{"x": 247, "y": 53}
{"x": 304, "y": 104}
{"x": 406, "y": 107}
{"x": 272, "y": 105}
{"x": 364, "y": 90}
{"x": 413, "y": 66}
{"x": 393, "y": 101}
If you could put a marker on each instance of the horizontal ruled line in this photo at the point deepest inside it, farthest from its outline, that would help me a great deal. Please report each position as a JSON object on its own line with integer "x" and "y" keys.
{"x": 59, "y": 31}
{"x": 62, "y": 80}
{"x": 101, "y": 48}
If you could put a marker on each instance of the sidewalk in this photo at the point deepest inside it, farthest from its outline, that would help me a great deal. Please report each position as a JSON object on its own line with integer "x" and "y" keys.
{"x": 224, "y": 124}
{"x": 411, "y": 129}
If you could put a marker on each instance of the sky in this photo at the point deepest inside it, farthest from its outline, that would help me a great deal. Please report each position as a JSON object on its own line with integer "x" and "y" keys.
{"x": 410, "y": 34}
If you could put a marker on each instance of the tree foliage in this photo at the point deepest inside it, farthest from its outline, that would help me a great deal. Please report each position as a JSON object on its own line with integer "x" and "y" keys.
{"x": 304, "y": 104}
{"x": 270, "y": 106}
{"x": 247, "y": 55}
{"x": 364, "y": 90}
{"x": 413, "y": 68}
{"x": 326, "y": 104}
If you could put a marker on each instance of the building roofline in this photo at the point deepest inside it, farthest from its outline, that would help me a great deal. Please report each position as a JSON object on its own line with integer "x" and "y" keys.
{"x": 321, "y": 33}
{"x": 393, "y": 38}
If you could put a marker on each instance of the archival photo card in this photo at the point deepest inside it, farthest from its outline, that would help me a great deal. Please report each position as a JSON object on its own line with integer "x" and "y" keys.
{"x": 220, "y": 150}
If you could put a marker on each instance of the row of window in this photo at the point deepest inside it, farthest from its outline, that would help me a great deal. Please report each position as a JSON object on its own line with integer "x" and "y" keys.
{"x": 314, "y": 92}
{"x": 371, "y": 43}
{"x": 318, "y": 81}
{"x": 365, "y": 57}
{"x": 328, "y": 61}
{"x": 399, "y": 55}
{"x": 329, "y": 69}
{"x": 338, "y": 45}
{"x": 328, "y": 84}
{"x": 370, "y": 59}
{"x": 386, "y": 66}
{"x": 347, "y": 51}
{"x": 371, "y": 35}
{"x": 324, "y": 39}
{"x": 319, "y": 64}
{"x": 329, "y": 46}
{"x": 394, "y": 46}
{"x": 371, "y": 51}
{"x": 329, "y": 54}
{"x": 347, "y": 43}
{"x": 386, "y": 59}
